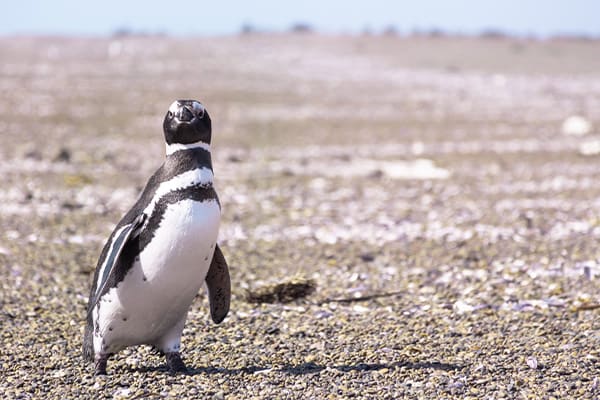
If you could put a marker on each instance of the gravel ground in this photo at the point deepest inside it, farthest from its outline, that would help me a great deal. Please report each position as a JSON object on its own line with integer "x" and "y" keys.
{"x": 426, "y": 186}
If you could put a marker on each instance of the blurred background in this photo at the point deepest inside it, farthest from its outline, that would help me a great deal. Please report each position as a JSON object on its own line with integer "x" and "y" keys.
{"x": 430, "y": 167}
{"x": 532, "y": 18}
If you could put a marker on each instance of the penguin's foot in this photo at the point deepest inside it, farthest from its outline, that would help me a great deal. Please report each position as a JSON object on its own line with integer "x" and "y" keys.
{"x": 175, "y": 363}
{"x": 100, "y": 364}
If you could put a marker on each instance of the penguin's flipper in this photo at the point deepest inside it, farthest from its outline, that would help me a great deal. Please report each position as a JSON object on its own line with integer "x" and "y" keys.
{"x": 120, "y": 239}
{"x": 219, "y": 286}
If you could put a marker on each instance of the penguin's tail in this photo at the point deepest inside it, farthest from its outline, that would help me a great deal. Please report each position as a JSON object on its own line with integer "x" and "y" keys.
{"x": 88, "y": 344}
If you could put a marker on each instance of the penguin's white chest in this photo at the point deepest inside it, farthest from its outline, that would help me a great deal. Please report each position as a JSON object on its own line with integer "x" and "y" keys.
{"x": 182, "y": 247}
{"x": 153, "y": 298}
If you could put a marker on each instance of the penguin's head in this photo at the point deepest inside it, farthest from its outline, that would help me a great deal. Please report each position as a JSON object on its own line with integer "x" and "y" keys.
{"x": 186, "y": 122}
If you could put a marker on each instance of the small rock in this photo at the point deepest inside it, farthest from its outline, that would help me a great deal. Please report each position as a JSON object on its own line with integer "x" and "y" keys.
{"x": 218, "y": 396}
{"x": 361, "y": 309}
{"x": 234, "y": 158}
{"x": 34, "y": 155}
{"x": 532, "y": 362}
{"x": 70, "y": 205}
{"x": 322, "y": 314}
{"x": 64, "y": 155}
{"x": 367, "y": 257}
{"x": 462, "y": 307}
{"x": 59, "y": 374}
{"x": 417, "y": 148}
{"x": 590, "y": 148}
{"x": 272, "y": 330}
{"x": 576, "y": 125}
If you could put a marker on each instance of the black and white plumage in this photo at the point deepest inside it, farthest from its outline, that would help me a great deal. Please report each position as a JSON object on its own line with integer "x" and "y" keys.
{"x": 162, "y": 251}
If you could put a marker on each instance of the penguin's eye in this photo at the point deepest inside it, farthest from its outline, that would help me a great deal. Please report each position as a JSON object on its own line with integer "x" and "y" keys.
{"x": 169, "y": 114}
{"x": 198, "y": 109}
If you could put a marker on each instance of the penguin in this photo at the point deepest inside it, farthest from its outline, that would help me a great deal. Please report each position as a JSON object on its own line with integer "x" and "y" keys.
{"x": 162, "y": 251}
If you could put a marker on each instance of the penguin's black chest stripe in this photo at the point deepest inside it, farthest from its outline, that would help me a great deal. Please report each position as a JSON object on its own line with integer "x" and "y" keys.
{"x": 198, "y": 193}
{"x": 198, "y": 177}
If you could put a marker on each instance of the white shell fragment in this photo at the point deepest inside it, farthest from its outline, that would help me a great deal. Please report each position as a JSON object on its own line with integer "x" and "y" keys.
{"x": 576, "y": 125}
{"x": 532, "y": 362}
{"x": 590, "y": 148}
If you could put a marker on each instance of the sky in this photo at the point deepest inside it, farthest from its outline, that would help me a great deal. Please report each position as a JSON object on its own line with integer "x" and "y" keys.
{"x": 222, "y": 17}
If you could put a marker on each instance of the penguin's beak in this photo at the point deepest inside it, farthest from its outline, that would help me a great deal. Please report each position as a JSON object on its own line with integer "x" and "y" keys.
{"x": 185, "y": 114}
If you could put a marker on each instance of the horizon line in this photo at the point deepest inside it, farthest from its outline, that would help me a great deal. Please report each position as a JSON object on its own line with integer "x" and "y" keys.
{"x": 307, "y": 29}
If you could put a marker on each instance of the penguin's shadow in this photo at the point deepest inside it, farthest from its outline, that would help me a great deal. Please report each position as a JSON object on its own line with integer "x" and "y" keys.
{"x": 308, "y": 368}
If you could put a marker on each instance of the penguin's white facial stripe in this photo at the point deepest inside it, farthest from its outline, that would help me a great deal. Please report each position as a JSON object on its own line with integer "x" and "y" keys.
{"x": 174, "y": 147}
{"x": 174, "y": 106}
{"x": 198, "y": 109}
{"x": 194, "y": 177}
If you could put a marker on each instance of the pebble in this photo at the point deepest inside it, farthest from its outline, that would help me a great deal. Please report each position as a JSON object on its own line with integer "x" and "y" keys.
{"x": 576, "y": 125}
{"x": 532, "y": 362}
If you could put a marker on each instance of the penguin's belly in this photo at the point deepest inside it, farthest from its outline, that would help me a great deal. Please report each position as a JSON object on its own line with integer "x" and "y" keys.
{"x": 158, "y": 290}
